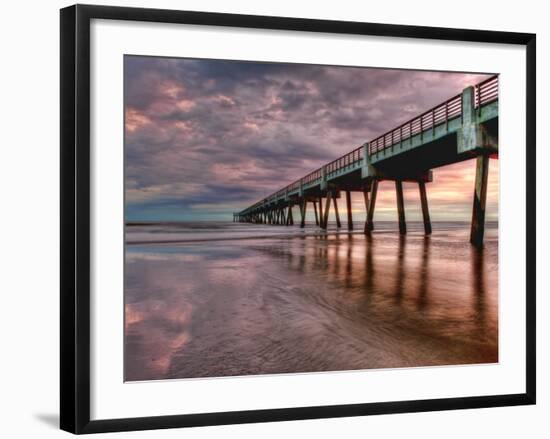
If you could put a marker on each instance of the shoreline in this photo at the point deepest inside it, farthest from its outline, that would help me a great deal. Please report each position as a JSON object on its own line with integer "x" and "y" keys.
{"x": 301, "y": 233}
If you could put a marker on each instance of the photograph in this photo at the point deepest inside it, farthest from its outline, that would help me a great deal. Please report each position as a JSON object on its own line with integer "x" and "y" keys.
{"x": 270, "y": 220}
{"x": 288, "y": 218}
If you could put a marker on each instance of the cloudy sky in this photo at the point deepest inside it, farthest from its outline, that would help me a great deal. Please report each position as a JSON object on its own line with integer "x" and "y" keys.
{"x": 206, "y": 138}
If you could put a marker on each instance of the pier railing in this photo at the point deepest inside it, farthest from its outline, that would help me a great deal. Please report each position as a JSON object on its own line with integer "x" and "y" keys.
{"x": 347, "y": 160}
{"x": 486, "y": 91}
{"x": 449, "y": 109}
{"x": 313, "y": 176}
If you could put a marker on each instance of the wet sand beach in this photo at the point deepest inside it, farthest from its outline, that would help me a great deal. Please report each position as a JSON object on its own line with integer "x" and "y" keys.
{"x": 210, "y": 300}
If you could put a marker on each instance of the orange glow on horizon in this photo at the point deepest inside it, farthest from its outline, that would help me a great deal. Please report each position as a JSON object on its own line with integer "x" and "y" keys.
{"x": 449, "y": 196}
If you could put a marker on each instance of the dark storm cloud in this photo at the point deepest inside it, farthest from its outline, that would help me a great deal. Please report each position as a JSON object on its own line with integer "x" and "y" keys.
{"x": 211, "y": 135}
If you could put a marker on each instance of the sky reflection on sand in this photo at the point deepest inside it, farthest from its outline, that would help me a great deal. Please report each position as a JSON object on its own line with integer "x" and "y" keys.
{"x": 309, "y": 304}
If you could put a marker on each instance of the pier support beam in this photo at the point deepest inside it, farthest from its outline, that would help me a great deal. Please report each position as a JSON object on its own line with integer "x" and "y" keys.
{"x": 303, "y": 212}
{"x": 335, "y": 203}
{"x": 400, "y": 207}
{"x": 327, "y": 209}
{"x": 370, "y": 214}
{"x": 348, "y": 208}
{"x": 315, "y": 210}
{"x": 289, "y": 217}
{"x": 480, "y": 197}
{"x": 367, "y": 207}
{"x": 425, "y": 210}
{"x": 321, "y": 216}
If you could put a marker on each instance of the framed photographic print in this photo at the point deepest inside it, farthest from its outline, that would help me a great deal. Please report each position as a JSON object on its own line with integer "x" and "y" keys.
{"x": 267, "y": 218}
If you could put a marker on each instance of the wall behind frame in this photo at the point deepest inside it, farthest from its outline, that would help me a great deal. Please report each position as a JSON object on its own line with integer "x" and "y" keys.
{"x": 30, "y": 216}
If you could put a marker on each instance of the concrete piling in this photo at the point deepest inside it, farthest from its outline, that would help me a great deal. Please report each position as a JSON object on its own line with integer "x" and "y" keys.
{"x": 348, "y": 208}
{"x": 480, "y": 196}
{"x": 335, "y": 203}
{"x": 327, "y": 209}
{"x": 400, "y": 207}
{"x": 369, "y": 226}
{"x": 316, "y": 216}
{"x": 425, "y": 211}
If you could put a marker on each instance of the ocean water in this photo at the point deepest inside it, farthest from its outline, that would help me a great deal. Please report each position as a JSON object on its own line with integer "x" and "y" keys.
{"x": 223, "y": 299}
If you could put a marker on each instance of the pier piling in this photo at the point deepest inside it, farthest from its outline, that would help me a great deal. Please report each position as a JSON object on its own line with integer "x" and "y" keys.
{"x": 366, "y": 199}
{"x": 321, "y": 216}
{"x": 480, "y": 197}
{"x": 400, "y": 207}
{"x": 316, "y": 216}
{"x": 425, "y": 210}
{"x": 290, "y": 218}
{"x": 372, "y": 204}
{"x": 327, "y": 209}
{"x": 335, "y": 203}
{"x": 348, "y": 208}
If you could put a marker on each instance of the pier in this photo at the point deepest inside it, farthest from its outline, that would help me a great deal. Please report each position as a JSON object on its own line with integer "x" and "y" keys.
{"x": 464, "y": 127}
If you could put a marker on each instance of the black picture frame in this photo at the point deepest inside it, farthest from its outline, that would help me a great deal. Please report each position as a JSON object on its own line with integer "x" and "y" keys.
{"x": 75, "y": 217}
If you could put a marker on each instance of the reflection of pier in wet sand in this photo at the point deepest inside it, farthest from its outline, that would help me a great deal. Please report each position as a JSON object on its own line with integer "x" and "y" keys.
{"x": 311, "y": 303}
{"x": 402, "y": 282}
